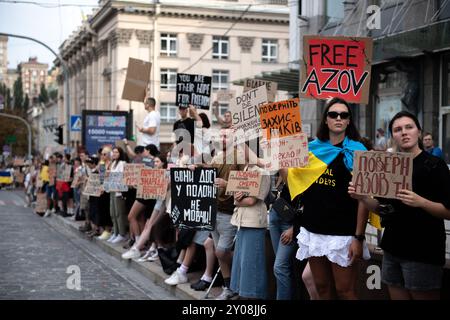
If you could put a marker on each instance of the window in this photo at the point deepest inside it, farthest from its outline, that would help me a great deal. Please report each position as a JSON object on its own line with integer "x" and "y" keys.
{"x": 269, "y": 50}
{"x": 168, "y": 79}
{"x": 446, "y": 81}
{"x": 219, "y": 79}
{"x": 334, "y": 10}
{"x": 168, "y": 113}
{"x": 220, "y": 47}
{"x": 168, "y": 44}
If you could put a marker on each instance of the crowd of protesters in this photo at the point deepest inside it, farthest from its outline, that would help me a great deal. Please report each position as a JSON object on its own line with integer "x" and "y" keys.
{"x": 330, "y": 230}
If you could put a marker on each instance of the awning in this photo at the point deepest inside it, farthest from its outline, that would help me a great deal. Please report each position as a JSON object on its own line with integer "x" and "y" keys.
{"x": 287, "y": 79}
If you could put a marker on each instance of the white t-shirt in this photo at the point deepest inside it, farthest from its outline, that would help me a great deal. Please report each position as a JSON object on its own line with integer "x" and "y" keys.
{"x": 152, "y": 120}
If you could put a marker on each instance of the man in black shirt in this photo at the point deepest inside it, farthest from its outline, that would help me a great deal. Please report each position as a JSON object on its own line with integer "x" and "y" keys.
{"x": 186, "y": 123}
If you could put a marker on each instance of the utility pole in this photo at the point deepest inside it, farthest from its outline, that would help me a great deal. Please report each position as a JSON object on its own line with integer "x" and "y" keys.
{"x": 28, "y": 127}
{"x": 66, "y": 82}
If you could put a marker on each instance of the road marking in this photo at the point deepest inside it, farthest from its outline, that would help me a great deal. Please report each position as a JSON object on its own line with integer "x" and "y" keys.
{"x": 19, "y": 203}
{"x": 2, "y": 203}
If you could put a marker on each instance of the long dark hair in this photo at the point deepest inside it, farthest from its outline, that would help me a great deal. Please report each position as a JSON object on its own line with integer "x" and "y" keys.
{"x": 407, "y": 114}
{"x": 323, "y": 133}
{"x": 122, "y": 157}
{"x": 205, "y": 120}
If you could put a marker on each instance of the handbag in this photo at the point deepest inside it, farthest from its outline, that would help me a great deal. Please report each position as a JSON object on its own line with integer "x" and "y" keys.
{"x": 284, "y": 210}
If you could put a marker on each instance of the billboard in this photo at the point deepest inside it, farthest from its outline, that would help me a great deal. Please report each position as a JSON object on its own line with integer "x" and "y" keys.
{"x": 100, "y": 128}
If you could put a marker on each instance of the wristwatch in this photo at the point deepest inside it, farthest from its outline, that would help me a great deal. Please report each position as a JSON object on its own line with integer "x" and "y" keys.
{"x": 360, "y": 237}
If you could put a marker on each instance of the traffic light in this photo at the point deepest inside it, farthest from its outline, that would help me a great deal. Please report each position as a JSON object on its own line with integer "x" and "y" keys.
{"x": 59, "y": 135}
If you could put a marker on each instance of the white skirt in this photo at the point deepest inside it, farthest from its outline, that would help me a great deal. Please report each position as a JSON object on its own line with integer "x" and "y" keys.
{"x": 335, "y": 248}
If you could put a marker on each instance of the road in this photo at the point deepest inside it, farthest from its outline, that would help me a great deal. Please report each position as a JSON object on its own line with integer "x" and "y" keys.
{"x": 39, "y": 261}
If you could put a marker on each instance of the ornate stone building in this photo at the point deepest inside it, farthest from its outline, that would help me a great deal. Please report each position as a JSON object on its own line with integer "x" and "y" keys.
{"x": 227, "y": 40}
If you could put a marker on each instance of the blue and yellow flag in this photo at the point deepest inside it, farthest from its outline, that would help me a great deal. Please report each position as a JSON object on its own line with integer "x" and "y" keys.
{"x": 321, "y": 154}
{"x": 6, "y": 177}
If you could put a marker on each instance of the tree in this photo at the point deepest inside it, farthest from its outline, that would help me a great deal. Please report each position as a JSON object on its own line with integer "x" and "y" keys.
{"x": 26, "y": 104}
{"x": 18, "y": 94}
{"x": 43, "y": 95}
{"x": 53, "y": 94}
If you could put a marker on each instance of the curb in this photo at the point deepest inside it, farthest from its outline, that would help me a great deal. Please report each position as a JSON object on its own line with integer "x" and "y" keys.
{"x": 151, "y": 270}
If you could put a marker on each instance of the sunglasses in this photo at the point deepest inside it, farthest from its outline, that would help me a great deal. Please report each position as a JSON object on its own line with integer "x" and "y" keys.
{"x": 333, "y": 115}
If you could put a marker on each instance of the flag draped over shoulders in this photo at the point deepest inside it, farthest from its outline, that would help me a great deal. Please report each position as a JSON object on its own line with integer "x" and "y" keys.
{"x": 321, "y": 154}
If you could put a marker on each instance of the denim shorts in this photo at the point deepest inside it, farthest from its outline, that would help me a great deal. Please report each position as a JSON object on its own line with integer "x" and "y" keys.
{"x": 223, "y": 234}
{"x": 410, "y": 275}
{"x": 201, "y": 236}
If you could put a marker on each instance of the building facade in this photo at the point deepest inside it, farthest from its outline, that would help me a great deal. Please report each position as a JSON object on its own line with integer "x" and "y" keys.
{"x": 226, "y": 40}
{"x": 33, "y": 74}
{"x": 3, "y": 58}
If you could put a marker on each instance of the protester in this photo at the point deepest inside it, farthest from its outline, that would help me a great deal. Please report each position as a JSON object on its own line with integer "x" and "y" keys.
{"x": 412, "y": 265}
{"x": 333, "y": 224}
{"x": 429, "y": 147}
{"x": 150, "y": 128}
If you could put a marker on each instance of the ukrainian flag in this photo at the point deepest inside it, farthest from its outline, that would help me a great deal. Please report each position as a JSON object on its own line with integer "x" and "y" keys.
{"x": 321, "y": 154}
{"x": 6, "y": 177}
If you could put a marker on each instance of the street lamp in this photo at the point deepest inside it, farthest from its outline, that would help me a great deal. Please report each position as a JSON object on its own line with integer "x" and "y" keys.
{"x": 66, "y": 82}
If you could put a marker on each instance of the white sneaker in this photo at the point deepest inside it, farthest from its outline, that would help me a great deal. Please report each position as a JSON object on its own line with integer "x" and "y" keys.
{"x": 112, "y": 238}
{"x": 226, "y": 294}
{"x": 47, "y": 213}
{"x": 53, "y": 210}
{"x": 153, "y": 255}
{"x": 119, "y": 239}
{"x": 176, "y": 278}
{"x": 104, "y": 236}
{"x": 145, "y": 256}
{"x": 133, "y": 253}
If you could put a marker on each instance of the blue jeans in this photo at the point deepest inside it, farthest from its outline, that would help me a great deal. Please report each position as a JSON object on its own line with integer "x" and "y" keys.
{"x": 283, "y": 268}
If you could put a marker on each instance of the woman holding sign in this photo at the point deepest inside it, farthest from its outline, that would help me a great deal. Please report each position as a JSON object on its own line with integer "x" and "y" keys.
{"x": 333, "y": 224}
{"x": 414, "y": 236}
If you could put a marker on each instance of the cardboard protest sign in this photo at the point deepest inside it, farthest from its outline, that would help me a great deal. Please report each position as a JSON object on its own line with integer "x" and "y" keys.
{"x": 67, "y": 170}
{"x": 137, "y": 79}
{"x": 51, "y": 174}
{"x": 152, "y": 184}
{"x": 114, "y": 183}
{"x": 225, "y": 95}
{"x": 245, "y": 111}
{"x": 93, "y": 187}
{"x": 41, "y": 202}
{"x": 121, "y": 144}
{"x": 282, "y": 118}
{"x": 194, "y": 203}
{"x": 270, "y": 86}
{"x": 20, "y": 177}
{"x": 39, "y": 182}
{"x": 336, "y": 67}
{"x": 193, "y": 89}
{"x": 18, "y": 162}
{"x": 247, "y": 182}
{"x": 131, "y": 173}
{"x": 382, "y": 174}
{"x": 287, "y": 152}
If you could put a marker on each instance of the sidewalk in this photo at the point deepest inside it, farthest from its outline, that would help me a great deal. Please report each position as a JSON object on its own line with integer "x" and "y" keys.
{"x": 152, "y": 270}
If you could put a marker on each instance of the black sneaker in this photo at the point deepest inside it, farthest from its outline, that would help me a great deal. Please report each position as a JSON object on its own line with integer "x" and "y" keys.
{"x": 129, "y": 244}
{"x": 200, "y": 285}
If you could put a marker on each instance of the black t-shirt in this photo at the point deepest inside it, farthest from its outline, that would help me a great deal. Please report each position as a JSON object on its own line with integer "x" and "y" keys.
{"x": 328, "y": 208}
{"x": 187, "y": 124}
{"x": 412, "y": 233}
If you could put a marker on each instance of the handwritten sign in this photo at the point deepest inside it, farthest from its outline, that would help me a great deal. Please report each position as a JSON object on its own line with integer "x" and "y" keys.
{"x": 270, "y": 86}
{"x": 114, "y": 182}
{"x": 287, "y": 152}
{"x": 225, "y": 95}
{"x": 247, "y": 182}
{"x": 336, "y": 67}
{"x": 20, "y": 177}
{"x": 152, "y": 184}
{"x": 194, "y": 203}
{"x": 283, "y": 117}
{"x": 382, "y": 174}
{"x": 193, "y": 89}
{"x": 41, "y": 202}
{"x": 52, "y": 174}
{"x": 131, "y": 173}
{"x": 93, "y": 187}
{"x": 245, "y": 111}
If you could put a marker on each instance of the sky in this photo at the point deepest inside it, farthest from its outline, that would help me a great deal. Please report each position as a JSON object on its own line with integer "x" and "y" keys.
{"x": 49, "y": 25}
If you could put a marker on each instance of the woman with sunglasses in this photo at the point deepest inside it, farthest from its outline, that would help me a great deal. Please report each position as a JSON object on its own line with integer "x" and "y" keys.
{"x": 332, "y": 224}
{"x": 414, "y": 236}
